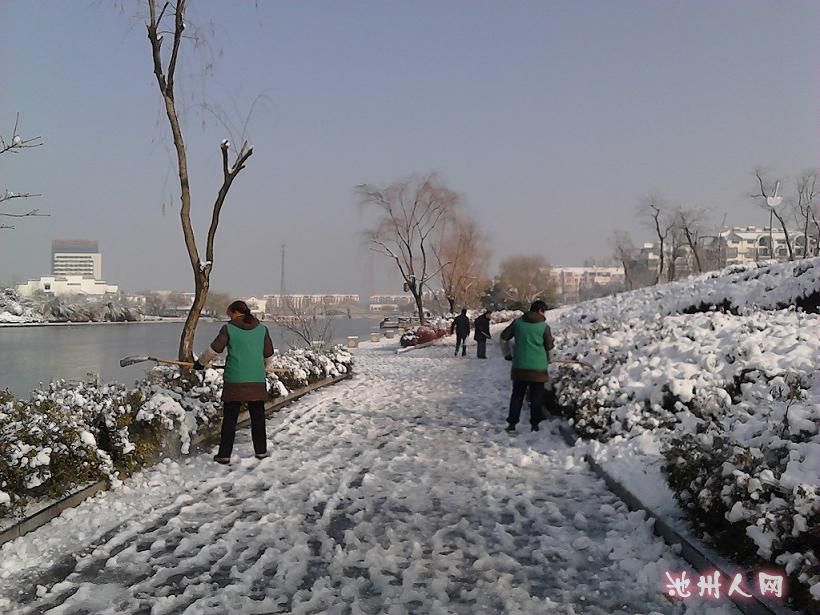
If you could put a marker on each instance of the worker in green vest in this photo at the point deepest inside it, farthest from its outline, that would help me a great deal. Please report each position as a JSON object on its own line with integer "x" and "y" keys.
{"x": 530, "y": 358}
{"x": 250, "y": 350}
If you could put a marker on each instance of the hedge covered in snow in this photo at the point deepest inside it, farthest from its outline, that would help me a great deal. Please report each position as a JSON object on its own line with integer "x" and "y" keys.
{"x": 440, "y": 327}
{"x": 72, "y": 434}
{"x": 16, "y": 309}
{"x": 713, "y": 386}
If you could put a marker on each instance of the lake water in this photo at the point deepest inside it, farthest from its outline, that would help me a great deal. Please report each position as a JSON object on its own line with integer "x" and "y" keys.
{"x": 30, "y": 355}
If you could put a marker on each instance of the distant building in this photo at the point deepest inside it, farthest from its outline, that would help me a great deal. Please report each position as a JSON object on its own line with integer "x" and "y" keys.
{"x": 573, "y": 284}
{"x": 276, "y": 303}
{"x": 76, "y": 257}
{"x": 66, "y": 285}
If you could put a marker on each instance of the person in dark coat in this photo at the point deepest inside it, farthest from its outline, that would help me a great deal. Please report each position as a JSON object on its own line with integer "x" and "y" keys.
{"x": 482, "y": 334}
{"x": 461, "y": 326}
{"x": 530, "y": 359}
{"x": 250, "y": 351}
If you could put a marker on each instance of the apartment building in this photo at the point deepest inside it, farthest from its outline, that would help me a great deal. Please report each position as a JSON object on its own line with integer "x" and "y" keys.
{"x": 76, "y": 257}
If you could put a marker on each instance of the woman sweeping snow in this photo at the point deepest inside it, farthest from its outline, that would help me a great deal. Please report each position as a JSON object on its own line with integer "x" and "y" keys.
{"x": 250, "y": 350}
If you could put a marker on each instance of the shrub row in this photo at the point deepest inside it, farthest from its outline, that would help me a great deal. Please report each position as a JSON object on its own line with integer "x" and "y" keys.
{"x": 71, "y": 434}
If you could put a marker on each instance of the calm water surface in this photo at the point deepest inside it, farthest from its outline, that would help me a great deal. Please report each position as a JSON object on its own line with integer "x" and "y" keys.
{"x": 31, "y": 355}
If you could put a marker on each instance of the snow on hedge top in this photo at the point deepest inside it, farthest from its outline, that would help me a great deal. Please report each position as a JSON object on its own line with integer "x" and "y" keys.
{"x": 764, "y": 285}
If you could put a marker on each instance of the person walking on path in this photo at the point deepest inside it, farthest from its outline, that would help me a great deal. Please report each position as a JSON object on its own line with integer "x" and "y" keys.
{"x": 250, "y": 350}
{"x": 530, "y": 358}
{"x": 482, "y": 334}
{"x": 461, "y": 326}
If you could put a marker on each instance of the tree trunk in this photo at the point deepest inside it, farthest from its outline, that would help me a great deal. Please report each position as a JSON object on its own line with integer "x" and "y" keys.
{"x": 419, "y": 306}
{"x": 186, "y": 340}
{"x": 451, "y": 301}
{"x": 785, "y": 234}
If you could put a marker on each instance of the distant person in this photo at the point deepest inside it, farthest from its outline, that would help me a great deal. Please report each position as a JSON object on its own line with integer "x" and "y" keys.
{"x": 530, "y": 358}
{"x": 461, "y": 326}
{"x": 482, "y": 334}
{"x": 249, "y": 352}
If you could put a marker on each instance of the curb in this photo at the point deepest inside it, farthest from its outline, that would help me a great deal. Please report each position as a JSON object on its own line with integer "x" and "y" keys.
{"x": 198, "y": 441}
{"x": 701, "y": 557}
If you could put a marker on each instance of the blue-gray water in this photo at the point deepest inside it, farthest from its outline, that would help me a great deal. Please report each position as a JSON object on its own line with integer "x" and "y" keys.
{"x": 30, "y": 355}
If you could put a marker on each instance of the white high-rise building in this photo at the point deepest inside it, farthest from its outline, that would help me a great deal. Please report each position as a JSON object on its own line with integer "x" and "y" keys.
{"x": 76, "y": 257}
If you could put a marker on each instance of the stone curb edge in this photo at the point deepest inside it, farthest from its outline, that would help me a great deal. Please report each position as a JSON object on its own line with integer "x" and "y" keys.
{"x": 49, "y": 512}
{"x": 693, "y": 551}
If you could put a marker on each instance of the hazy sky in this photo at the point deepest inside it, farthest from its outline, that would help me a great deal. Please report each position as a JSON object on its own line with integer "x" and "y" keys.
{"x": 551, "y": 118}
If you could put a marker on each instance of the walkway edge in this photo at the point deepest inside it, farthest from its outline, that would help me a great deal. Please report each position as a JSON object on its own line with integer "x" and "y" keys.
{"x": 54, "y": 509}
{"x": 702, "y": 558}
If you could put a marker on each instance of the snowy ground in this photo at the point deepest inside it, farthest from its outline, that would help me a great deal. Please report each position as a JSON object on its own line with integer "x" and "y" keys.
{"x": 397, "y": 492}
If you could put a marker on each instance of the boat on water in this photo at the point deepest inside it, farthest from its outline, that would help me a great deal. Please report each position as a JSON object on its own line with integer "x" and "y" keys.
{"x": 404, "y": 322}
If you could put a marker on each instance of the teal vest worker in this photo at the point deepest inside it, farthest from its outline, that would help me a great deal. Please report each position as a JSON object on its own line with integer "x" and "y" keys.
{"x": 245, "y": 361}
{"x": 530, "y": 353}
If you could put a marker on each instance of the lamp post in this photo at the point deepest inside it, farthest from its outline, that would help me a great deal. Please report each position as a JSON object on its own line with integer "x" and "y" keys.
{"x": 773, "y": 202}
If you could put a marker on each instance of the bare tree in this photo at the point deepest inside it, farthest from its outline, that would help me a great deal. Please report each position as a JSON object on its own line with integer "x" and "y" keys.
{"x": 309, "y": 326}
{"x": 655, "y": 213}
{"x": 691, "y": 223}
{"x": 807, "y": 193}
{"x": 623, "y": 250}
{"x": 15, "y": 145}
{"x": 170, "y": 20}
{"x": 462, "y": 256}
{"x": 408, "y": 212}
{"x": 523, "y": 279}
{"x": 767, "y": 188}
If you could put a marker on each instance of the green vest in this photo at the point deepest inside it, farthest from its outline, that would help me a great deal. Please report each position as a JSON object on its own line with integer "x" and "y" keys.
{"x": 245, "y": 362}
{"x": 529, "y": 352}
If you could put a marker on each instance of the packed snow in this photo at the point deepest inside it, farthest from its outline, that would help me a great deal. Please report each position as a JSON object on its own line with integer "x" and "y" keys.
{"x": 396, "y": 492}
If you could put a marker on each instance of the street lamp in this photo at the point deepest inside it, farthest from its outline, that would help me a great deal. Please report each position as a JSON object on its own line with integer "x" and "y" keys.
{"x": 773, "y": 202}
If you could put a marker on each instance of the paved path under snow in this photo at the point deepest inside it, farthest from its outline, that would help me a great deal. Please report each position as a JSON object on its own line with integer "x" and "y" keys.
{"x": 396, "y": 492}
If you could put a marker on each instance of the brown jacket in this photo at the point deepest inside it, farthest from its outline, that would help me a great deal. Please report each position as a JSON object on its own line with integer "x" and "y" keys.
{"x": 239, "y": 391}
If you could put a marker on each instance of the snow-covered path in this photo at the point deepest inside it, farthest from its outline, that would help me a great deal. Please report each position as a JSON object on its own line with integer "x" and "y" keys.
{"x": 397, "y": 492}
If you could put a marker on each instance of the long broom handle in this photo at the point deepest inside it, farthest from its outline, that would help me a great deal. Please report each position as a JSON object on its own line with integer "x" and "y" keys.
{"x": 275, "y": 370}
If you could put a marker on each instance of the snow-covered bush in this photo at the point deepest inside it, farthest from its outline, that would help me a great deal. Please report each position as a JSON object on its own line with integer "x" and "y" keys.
{"x": 72, "y": 434}
{"x": 712, "y": 381}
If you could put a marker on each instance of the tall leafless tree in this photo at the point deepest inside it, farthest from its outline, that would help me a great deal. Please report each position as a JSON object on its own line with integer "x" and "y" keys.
{"x": 655, "y": 213}
{"x": 462, "y": 256}
{"x": 807, "y": 193}
{"x": 691, "y": 223}
{"x": 170, "y": 20}
{"x": 623, "y": 250}
{"x": 14, "y": 145}
{"x": 525, "y": 278}
{"x": 766, "y": 189}
{"x": 407, "y": 214}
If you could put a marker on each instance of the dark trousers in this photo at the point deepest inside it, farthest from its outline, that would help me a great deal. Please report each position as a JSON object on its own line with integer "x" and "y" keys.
{"x": 517, "y": 400}
{"x": 461, "y": 341}
{"x": 481, "y": 351}
{"x": 228, "y": 433}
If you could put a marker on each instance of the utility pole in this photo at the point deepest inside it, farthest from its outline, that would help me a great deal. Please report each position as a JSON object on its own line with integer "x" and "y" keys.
{"x": 282, "y": 277}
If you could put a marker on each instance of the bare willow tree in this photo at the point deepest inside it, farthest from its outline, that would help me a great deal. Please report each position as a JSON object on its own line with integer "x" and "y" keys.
{"x": 14, "y": 145}
{"x": 767, "y": 187}
{"x": 623, "y": 250}
{"x": 170, "y": 20}
{"x": 807, "y": 193}
{"x": 407, "y": 214}
{"x": 525, "y": 278}
{"x": 655, "y": 213}
{"x": 461, "y": 253}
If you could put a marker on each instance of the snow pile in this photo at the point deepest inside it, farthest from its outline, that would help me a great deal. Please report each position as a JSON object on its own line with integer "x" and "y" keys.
{"x": 720, "y": 404}
{"x": 16, "y": 309}
{"x": 71, "y": 434}
{"x": 440, "y": 327}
